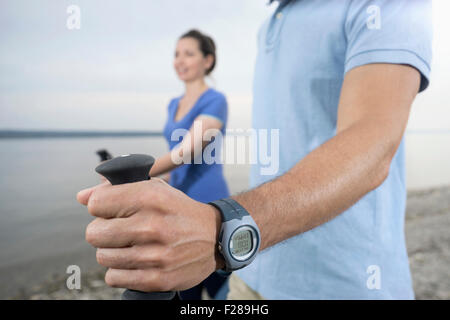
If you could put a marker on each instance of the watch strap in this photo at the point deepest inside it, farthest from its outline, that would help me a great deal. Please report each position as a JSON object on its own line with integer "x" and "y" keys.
{"x": 234, "y": 216}
{"x": 229, "y": 209}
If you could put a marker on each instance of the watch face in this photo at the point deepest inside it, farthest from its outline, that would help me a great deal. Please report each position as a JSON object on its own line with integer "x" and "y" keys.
{"x": 241, "y": 243}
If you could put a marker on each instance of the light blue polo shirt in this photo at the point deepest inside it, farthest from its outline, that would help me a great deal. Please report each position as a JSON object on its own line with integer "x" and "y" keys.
{"x": 304, "y": 51}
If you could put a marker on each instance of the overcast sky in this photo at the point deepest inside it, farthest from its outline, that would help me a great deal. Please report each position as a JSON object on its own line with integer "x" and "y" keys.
{"x": 116, "y": 72}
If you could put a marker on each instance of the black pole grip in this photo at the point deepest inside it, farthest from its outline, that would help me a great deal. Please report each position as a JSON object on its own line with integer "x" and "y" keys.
{"x": 127, "y": 169}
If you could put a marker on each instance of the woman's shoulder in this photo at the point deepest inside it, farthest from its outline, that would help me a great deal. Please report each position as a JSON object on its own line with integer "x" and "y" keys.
{"x": 215, "y": 95}
{"x": 214, "y": 103}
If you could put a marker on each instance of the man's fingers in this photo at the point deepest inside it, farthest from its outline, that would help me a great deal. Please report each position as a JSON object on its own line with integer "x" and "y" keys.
{"x": 117, "y": 201}
{"x": 119, "y": 233}
{"x": 108, "y": 233}
{"x": 84, "y": 195}
{"x": 150, "y": 280}
{"x": 135, "y": 257}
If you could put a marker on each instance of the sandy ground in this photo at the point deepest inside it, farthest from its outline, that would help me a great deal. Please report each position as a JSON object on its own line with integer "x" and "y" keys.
{"x": 428, "y": 241}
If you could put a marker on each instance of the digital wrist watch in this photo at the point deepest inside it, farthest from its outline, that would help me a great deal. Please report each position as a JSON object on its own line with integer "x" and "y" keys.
{"x": 239, "y": 237}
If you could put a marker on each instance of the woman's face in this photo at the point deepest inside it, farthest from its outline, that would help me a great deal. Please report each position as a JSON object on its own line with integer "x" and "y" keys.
{"x": 189, "y": 63}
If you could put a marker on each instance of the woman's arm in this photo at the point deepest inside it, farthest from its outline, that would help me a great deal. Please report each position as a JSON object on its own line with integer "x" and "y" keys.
{"x": 192, "y": 140}
{"x": 165, "y": 177}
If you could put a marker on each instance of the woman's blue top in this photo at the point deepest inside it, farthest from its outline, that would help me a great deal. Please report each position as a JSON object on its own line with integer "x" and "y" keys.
{"x": 202, "y": 182}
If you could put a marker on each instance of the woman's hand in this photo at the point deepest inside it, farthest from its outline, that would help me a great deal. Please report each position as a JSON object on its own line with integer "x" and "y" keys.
{"x": 152, "y": 237}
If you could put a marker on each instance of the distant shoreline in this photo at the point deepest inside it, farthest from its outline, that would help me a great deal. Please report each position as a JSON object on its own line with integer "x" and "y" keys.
{"x": 18, "y": 134}
{"x": 22, "y": 134}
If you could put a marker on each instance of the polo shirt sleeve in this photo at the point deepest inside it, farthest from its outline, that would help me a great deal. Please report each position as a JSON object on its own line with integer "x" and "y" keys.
{"x": 216, "y": 107}
{"x": 390, "y": 31}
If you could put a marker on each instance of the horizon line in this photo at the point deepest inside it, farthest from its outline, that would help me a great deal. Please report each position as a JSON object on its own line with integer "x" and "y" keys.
{"x": 39, "y": 133}
{"x": 54, "y": 133}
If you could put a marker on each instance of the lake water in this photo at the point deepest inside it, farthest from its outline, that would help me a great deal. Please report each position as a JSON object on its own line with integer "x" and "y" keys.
{"x": 42, "y": 225}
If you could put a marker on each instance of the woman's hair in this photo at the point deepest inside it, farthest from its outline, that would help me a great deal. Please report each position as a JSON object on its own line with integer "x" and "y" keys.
{"x": 206, "y": 44}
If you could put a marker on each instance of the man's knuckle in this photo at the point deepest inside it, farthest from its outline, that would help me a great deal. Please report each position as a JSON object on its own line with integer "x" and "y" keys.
{"x": 141, "y": 234}
{"x": 157, "y": 234}
{"x": 150, "y": 259}
{"x": 134, "y": 258}
{"x": 151, "y": 229}
{"x": 143, "y": 195}
{"x": 160, "y": 198}
{"x": 165, "y": 258}
{"x": 157, "y": 281}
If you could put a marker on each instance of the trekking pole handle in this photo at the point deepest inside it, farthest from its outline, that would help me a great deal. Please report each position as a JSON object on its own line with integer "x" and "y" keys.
{"x": 128, "y": 169}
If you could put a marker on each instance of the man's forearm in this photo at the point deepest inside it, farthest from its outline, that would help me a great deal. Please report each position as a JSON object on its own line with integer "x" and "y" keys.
{"x": 323, "y": 184}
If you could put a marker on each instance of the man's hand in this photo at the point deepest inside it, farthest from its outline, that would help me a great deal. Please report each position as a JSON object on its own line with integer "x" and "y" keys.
{"x": 152, "y": 237}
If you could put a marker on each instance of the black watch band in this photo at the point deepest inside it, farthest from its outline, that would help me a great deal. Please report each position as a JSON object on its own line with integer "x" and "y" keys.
{"x": 239, "y": 237}
{"x": 235, "y": 210}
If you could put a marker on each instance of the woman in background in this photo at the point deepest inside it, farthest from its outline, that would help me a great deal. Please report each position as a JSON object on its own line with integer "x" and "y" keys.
{"x": 195, "y": 58}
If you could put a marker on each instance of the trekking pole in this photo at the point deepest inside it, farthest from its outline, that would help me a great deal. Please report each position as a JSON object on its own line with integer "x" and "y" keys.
{"x": 128, "y": 169}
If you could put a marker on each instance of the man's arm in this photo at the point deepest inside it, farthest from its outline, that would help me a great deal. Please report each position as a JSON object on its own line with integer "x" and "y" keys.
{"x": 148, "y": 235}
{"x": 373, "y": 112}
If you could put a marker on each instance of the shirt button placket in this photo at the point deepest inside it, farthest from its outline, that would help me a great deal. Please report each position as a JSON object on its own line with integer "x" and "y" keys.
{"x": 274, "y": 27}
